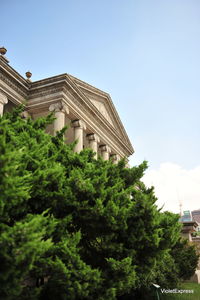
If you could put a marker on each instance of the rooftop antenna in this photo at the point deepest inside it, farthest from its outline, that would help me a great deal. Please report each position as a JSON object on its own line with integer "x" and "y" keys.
{"x": 180, "y": 204}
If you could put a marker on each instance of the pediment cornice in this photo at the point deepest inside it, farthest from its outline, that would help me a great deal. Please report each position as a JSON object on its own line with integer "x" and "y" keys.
{"x": 123, "y": 139}
{"x": 98, "y": 94}
{"x": 88, "y": 87}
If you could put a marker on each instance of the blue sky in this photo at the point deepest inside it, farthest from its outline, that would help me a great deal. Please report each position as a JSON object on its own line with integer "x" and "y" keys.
{"x": 146, "y": 54}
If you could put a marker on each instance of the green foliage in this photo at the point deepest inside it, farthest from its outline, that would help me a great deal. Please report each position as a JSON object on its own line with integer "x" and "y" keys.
{"x": 185, "y": 257}
{"x": 20, "y": 246}
{"x": 73, "y": 227}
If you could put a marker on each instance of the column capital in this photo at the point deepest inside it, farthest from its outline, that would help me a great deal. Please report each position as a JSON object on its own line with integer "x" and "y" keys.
{"x": 93, "y": 137}
{"x": 3, "y": 98}
{"x": 59, "y": 107}
{"x": 78, "y": 123}
{"x": 105, "y": 148}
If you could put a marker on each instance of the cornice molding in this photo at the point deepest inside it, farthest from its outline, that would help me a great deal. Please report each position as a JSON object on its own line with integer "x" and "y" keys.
{"x": 12, "y": 83}
{"x": 88, "y": 86}
{"x": 13, "y": 74}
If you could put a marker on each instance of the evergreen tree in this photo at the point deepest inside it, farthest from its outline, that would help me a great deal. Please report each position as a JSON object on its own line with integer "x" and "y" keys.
{"x": 73, "y": 227}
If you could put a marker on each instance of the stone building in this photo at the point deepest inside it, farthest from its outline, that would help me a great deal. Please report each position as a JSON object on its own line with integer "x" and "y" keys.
{"x": 92, "y": 118}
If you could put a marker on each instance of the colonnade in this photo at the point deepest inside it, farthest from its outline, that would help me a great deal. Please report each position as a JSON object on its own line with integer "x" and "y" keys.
{"x": 61, "y": 110}
{"x": 79, "y": 126}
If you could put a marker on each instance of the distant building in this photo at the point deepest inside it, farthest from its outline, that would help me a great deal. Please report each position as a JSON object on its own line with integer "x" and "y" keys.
{"x": 186, "y": 217}
{"x": 188, "y": 229}
{"x": 191, "y": 221}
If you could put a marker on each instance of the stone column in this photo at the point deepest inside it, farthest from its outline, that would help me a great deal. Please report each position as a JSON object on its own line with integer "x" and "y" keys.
{"x": 60, "y": 109}
{"x": 105, "y": 151}
{"x": 93, "y": 143}
{"x": 3, "y": 101}
{"x": 79, "y": 127}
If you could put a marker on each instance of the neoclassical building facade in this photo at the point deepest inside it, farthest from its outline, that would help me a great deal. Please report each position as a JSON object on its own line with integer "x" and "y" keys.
{"x": 89, "y": 112}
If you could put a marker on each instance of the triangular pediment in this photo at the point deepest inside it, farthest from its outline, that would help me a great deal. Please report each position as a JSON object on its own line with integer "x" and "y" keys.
{"x": 103, "y": 102}
{"x": 101, "y": 106}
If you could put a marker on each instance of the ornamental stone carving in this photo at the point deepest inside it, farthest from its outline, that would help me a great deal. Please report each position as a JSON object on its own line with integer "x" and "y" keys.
{"x": 93, "y": 137}
{"x": 59, "y": 107}
{"x": 105, "y": 150}
{"x": 78, "y": 123}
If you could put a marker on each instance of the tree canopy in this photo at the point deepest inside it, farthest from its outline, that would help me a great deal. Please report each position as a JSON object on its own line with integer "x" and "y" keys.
{"x": 73, "y": 227}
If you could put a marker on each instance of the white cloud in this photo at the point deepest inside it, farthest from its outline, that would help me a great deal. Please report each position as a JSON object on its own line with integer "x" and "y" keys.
{"x": 174, "y": 184}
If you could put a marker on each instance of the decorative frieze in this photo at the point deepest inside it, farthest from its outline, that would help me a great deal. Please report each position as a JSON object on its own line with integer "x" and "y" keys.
{"x": 13, "y": 84}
